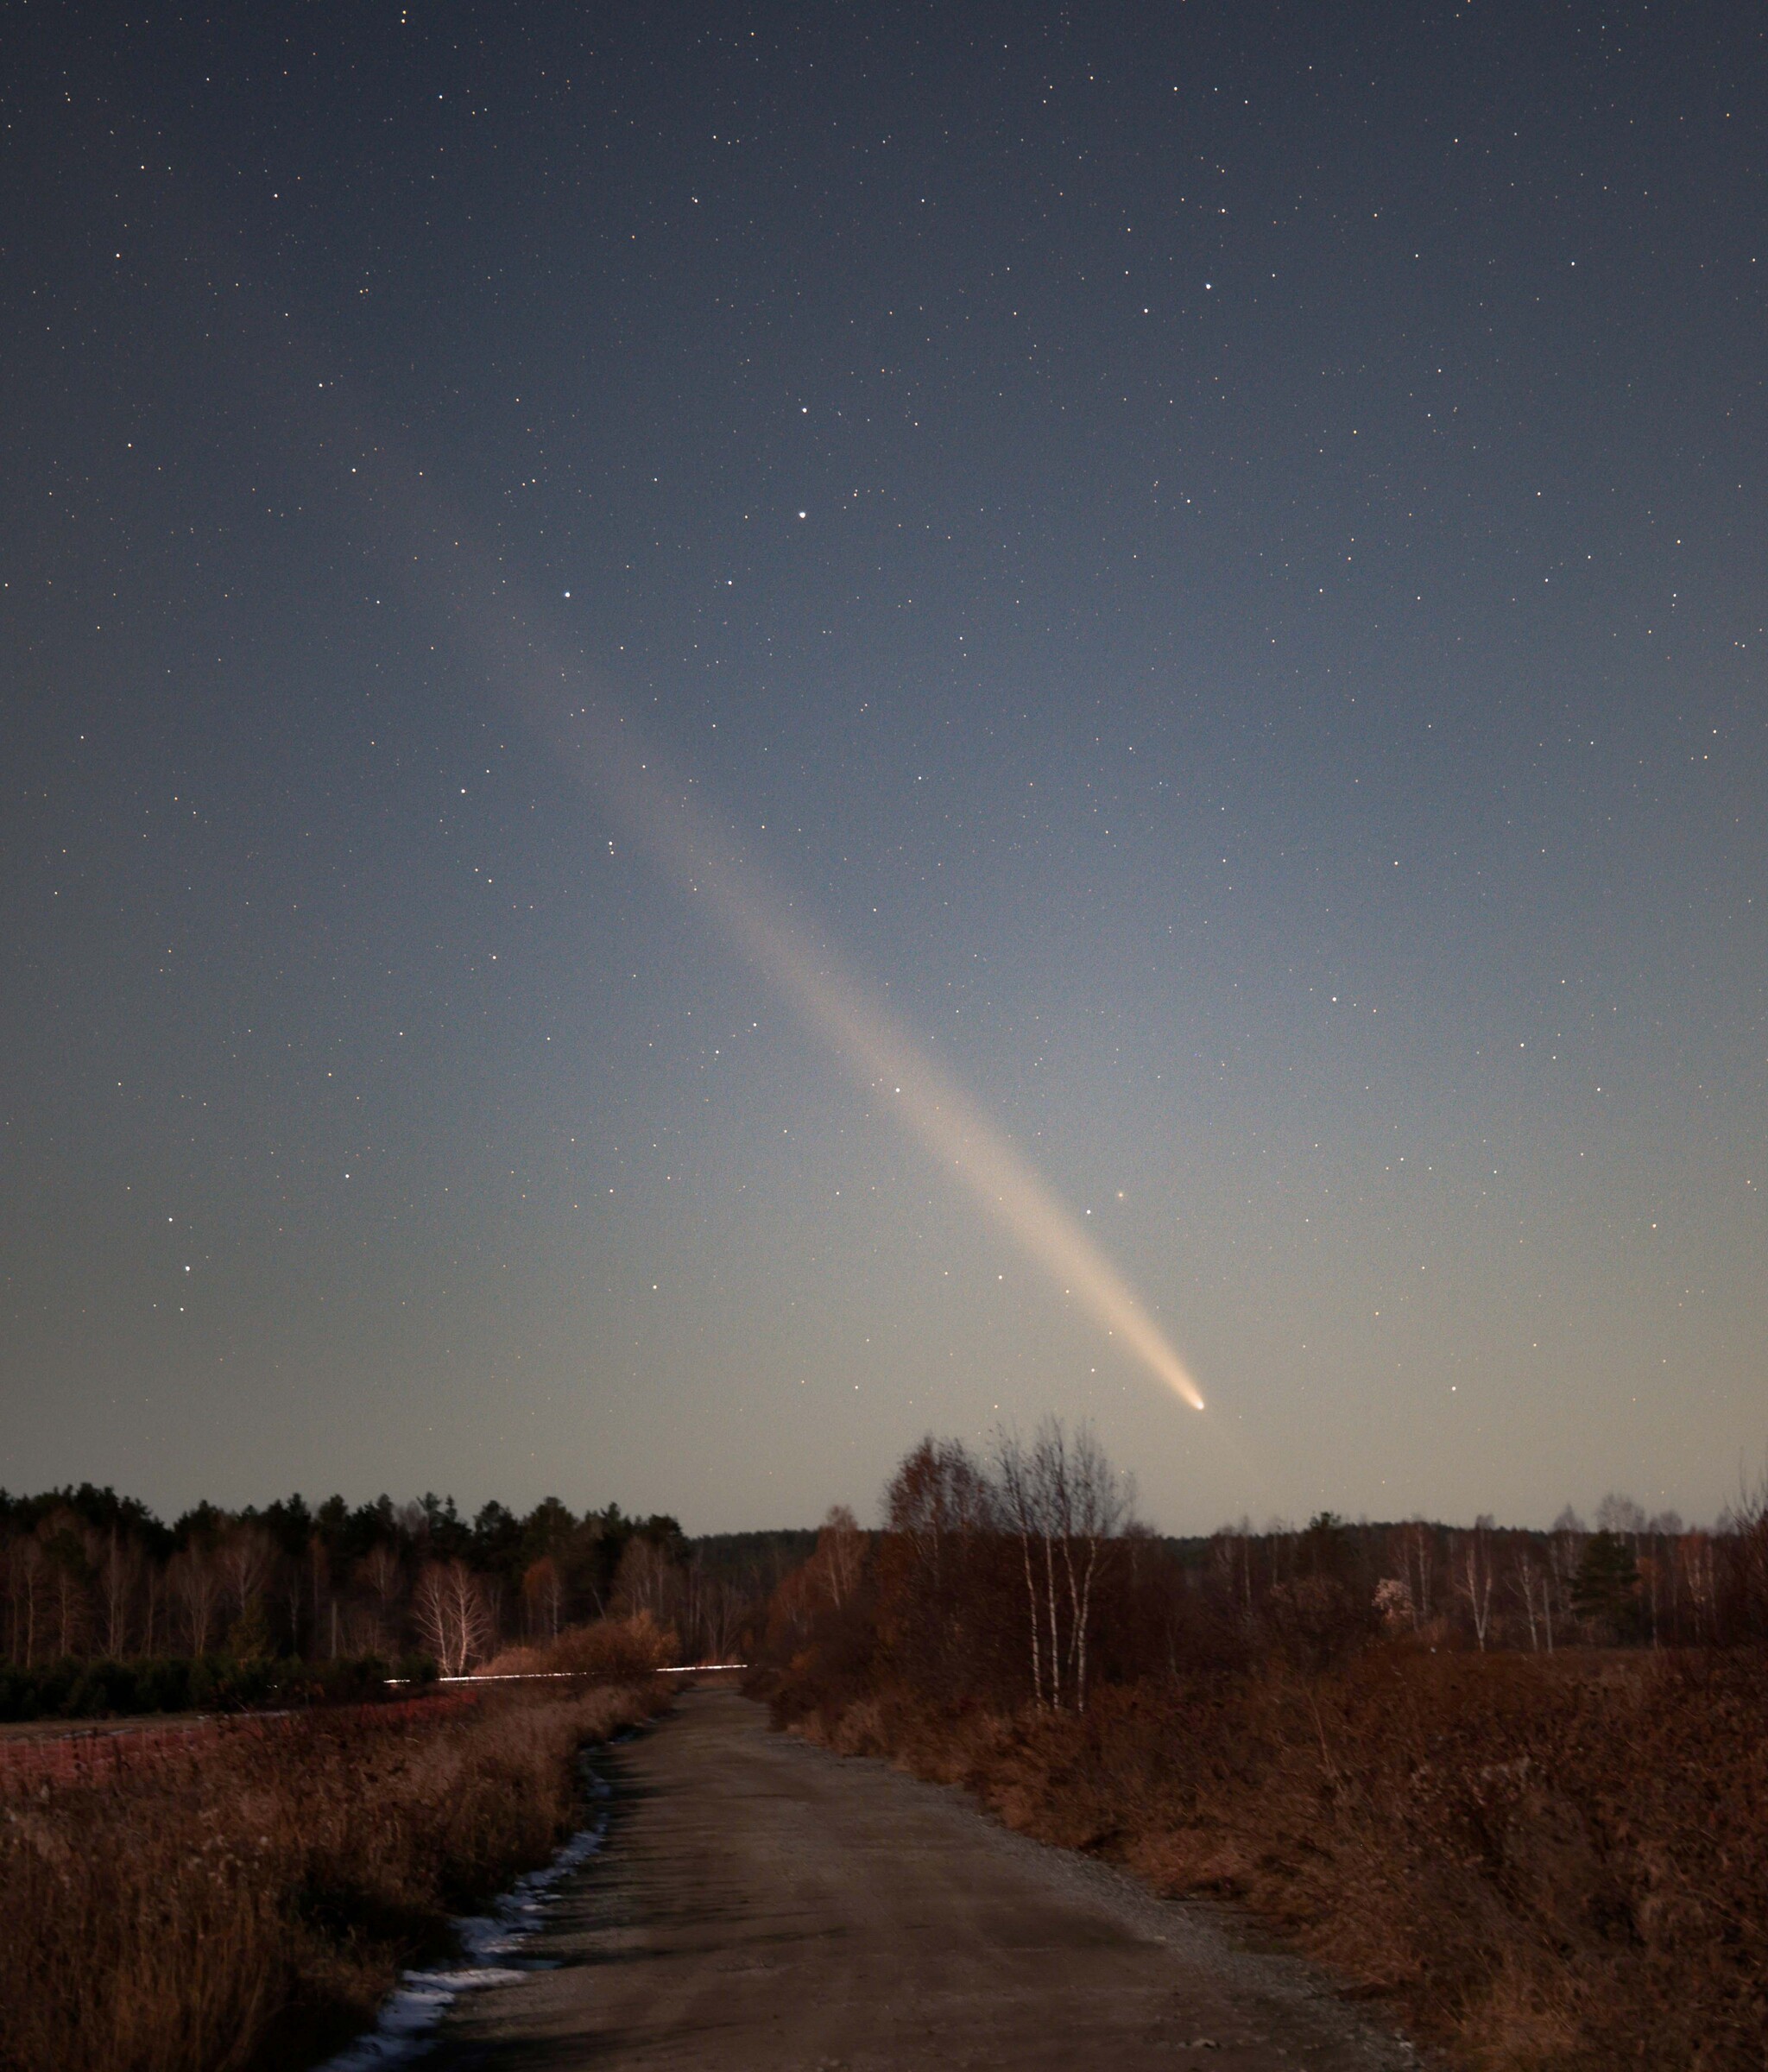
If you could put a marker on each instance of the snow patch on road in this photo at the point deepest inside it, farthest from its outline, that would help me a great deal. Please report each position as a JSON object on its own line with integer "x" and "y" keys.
{"x": 409, "y": 2015}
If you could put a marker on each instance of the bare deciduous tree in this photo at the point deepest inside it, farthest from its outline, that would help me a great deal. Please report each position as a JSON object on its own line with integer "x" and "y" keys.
{"x": 1695, "y": 1563}
{"x": 1091, "y": 1502}
{"x": 647, "y": 1580}
{"x": 196, "y": 1584}
{"x": 153, "y": 1589}
{"x": 1473, "y": 1576}
{"x": 938, "y": 1494}
{"x": 543, "y": 1596}
{"x": 247, "y": 1556}
{"x": 68, "y": 1563}
{"x": 840, "y": 1550}
{"x": 24, "y": 1581}
{"x": 119, "y": 1581}
{"x": 318, "y": 1569}
{"x": 1231, "y": 1558}
{"x": 453, "y": 1616}
{"x": 1565, "y": 1550}
{"x": 1620, "y": 1515}
{"x": 1020, "y": 1509}
{"x": 1065, "y": 1504}
{"x": 1416, "y": 1546}
{"x": 722, "y": 1609}
{"x": 382, "y": 1574}
{"x": 1530, "y": 1580}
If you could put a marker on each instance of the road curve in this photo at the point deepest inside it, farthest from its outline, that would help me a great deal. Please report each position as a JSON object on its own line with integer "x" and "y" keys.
{"x": 762, "y": 1906}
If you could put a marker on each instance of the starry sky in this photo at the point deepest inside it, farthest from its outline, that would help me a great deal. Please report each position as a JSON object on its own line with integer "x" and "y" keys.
{"x": 1208, "y": 559}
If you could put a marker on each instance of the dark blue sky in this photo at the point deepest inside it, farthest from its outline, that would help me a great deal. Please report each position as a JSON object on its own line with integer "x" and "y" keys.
{"x": 1214, "y": 556}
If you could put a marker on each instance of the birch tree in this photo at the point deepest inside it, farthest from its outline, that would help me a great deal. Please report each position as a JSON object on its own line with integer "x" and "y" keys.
{"x": 453, "y": 1616}
{"x": 119, "y": 1580}
{"x": 197, "y": 1587}
{"x": 1531, "y": 1582}
{"x": 1019, "y": 1510}
{"x": 1473, "y": 1576}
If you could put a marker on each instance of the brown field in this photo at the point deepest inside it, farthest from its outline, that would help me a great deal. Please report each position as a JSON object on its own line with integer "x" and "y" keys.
{"x": 243, "y": 1894}
{"x": 93, "y": 1751}
{"x": 63, "y": 1730}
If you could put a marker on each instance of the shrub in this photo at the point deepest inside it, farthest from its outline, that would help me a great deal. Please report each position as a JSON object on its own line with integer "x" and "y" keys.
{"x": 608, "y": 1650}
{"x": 101, "y": 1691}
{"x": 162, "y": 1685}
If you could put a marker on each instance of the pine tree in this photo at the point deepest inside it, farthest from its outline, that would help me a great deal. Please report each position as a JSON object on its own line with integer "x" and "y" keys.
{"x": 250, "y": 1639}
{"x": 1606, "y": 1587}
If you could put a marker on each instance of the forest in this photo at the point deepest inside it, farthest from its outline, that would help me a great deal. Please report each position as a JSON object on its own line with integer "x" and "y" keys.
{"x": 1024, "y": 1576}
{"x": 107, "y": 1609}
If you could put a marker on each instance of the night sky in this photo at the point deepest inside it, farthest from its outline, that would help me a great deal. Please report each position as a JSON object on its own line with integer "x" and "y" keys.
{"x": 1206, "y": 560}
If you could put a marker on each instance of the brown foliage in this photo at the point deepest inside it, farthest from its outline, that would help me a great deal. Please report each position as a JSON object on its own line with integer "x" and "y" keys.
{"x": 1555, "y": 1860}
{"x": 180, "y": 1906}
{"x": 607, "y": 1651}
{"x": 1547, "y": 1864}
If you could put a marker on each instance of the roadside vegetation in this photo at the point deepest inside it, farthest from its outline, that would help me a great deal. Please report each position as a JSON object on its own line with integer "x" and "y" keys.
{"x": 1515, "y": 1783}
{"x": 243, "y": 1894}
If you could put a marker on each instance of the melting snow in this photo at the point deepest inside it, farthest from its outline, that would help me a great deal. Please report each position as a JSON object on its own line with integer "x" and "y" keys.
{"x": 409, "y": 2015}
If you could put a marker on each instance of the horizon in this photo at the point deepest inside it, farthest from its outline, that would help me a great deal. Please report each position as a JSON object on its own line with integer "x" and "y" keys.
{"x": 256, "y": 1508}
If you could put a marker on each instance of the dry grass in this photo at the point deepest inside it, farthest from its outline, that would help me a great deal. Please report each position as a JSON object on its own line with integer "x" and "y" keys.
{"x": 245, "y": 1896}
{"x": 1557, "y": 1866}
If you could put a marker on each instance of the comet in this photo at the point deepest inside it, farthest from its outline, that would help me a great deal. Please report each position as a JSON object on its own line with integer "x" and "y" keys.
{"x": 887, "y": 1061}
{"x": 602, "y": 753}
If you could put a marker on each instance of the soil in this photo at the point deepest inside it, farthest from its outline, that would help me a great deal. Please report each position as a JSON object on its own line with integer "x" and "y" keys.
{"x": 761, "y": 1904}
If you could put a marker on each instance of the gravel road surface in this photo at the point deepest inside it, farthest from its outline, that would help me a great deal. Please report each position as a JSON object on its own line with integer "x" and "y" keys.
{"x": 763, "y": 1904}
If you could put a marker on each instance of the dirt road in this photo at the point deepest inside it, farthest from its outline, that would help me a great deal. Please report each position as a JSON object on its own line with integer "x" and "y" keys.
{"x": 761, "y": 1904}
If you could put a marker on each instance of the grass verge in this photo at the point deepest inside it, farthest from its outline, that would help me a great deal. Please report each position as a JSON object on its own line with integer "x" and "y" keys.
{"x": 243, "y": 1898}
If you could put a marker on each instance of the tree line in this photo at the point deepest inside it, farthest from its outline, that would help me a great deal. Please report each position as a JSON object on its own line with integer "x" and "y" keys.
{"x": 1021, "y": 1575}
{"x": 87, "y": 1576}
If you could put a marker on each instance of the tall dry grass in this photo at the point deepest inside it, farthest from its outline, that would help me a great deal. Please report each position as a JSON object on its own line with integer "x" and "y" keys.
{"x": 244, "y": 1897}
{"x": 1549, "y": 1865}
